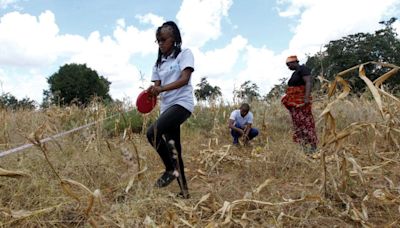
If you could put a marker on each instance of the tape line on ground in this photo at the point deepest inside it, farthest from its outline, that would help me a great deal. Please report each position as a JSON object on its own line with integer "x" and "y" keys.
{"x": 20, "y": 148}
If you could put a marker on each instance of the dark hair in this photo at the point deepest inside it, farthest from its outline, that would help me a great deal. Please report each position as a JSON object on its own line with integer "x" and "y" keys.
{"x": 245, "y": 107}
{"x": 176, "y": 36}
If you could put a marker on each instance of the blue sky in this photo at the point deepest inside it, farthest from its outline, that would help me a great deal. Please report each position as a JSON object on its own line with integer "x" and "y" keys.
{"x": 232, "y": 40}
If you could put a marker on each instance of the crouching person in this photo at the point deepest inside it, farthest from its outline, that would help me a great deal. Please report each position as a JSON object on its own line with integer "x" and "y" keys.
{"x": 240, "y": 125}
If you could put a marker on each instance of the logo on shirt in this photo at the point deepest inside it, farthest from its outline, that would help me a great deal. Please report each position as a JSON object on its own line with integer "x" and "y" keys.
{"x": 174, "y": 67}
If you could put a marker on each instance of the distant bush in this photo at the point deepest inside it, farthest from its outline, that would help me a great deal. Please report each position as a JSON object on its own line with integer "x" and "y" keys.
{"x": 205, "y": 118}
{"x": 9, "y": 101}
{"x": 132, "y": 120}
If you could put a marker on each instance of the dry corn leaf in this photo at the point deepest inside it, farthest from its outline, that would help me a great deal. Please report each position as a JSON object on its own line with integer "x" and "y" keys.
{"x": 262, "y": 186}
{"x": 364, "y": 208}
{"x": 327, "y": 109}
{"x": 356, "y": 168}
{"x": 67, "y": 183}
{"x": 224, "y": 208}
{"x": 389, "y": 95}
{"x": 13, "y": 174}
{"x": 372, "y": 88}
{"x": 22, "y": 214}
{"x": 343, "y": 73}
{"x": 76, "y": 183}
{"x": 185, "y": 222}
{"x": 132, "y": 179}
{"x": 378, "y": 82}
{"x": 346, "y": 88}
{"x": 332, "y": 88}
{"x": 201, "y": 172}
{"x": 203, "y": 198}
{"x": 228, "y": 147}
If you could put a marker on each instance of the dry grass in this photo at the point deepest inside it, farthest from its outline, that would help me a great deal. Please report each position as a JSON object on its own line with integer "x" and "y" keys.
{"x": 87, "y": 179}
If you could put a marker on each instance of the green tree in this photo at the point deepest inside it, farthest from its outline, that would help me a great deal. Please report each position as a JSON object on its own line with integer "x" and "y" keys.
{"x": 75, "y": 83}
{"x": 27, "y": 103}
{"x": 278, "y": 90}
{"x": 248, "y": 92}
{"x": 381, "y": 46}
{"x": 8, "y": 101}
{"x": 206, "y": 92}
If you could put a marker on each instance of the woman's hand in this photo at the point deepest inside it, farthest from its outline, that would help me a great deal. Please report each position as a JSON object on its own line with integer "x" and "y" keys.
{"x": 154, "y": 90}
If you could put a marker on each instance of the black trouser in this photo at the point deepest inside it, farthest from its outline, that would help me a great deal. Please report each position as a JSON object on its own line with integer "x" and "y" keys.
{"x": 168, "y": 125}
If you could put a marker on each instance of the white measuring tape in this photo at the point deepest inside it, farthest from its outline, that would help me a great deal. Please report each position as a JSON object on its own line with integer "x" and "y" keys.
{"x": 14, "y": 150}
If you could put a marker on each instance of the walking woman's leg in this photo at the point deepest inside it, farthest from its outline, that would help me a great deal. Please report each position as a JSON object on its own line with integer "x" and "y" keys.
{"x": 154, "y": 136}
{"x": 172, "y": 118}
{"x": 309, "y": 132}
{"x": 175, "y": 135}
{"x": 296, "y": 119}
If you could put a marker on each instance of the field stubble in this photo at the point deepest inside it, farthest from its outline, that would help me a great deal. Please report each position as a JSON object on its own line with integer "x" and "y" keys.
{"x": 88, "y": 178}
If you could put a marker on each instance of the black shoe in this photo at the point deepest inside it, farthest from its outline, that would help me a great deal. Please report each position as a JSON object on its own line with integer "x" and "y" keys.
{"x": 165, "y": 179}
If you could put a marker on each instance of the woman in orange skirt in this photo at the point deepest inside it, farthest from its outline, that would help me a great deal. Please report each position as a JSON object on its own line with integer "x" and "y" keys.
{"x": 298, "y": 101}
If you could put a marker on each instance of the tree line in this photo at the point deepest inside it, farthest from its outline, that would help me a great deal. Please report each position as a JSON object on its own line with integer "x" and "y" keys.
{"x": 78, "y": 84}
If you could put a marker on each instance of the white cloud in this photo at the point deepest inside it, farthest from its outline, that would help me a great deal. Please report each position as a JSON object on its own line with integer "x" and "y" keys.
{"x": 317, "y": 22}
{"x": 219, "y": 61}
{"x": 150, "y": 18}
{"x": 322, "y": 21}
{"x": 218, "y": 64}
{"x": 110, "y": 59}
{"x": 30, "y": 85}
{"x": 34, "y": 46}
{"x": 27, "y": 41}
{"x": 294, "y": 7}
{"x": 200, "y": 20}
{"x": 5, "y": 3}
{"x": 3, "y": 82}
{"x": 136, "y": 41}
{"x": 263, "y": 67}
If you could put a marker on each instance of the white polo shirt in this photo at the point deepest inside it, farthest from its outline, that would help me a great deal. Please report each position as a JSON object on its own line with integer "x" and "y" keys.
{"x": 247, "y": 119}
{"x": 169, "y": 71}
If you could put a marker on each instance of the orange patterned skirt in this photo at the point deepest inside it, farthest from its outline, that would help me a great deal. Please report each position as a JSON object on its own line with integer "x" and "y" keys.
{"x": 294, "y": 96}
{"x": 302, "y": 117}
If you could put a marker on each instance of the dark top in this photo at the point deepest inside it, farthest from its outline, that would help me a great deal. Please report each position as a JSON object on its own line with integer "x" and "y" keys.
{"x": 297, "y": 76}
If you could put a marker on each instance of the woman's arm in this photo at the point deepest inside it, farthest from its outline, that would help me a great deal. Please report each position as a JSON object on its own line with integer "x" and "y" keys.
{"x": 151, "y": 88}
{"x": 182, "y": 81}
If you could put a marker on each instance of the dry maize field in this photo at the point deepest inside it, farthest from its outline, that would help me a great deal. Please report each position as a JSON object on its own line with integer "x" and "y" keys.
{"x": 89, "y": 178}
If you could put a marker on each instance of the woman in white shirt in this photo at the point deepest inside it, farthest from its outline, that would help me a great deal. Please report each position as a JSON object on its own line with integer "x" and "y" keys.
{"x": 171, "y": 77}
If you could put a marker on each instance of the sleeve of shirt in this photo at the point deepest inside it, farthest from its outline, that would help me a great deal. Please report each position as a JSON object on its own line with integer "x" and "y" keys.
{"x": 233, "y": 116}
{"x": 250, "y": 118}
{"x": 186, "y": 59}
{"x": 155, "y": 76}
{"x": 305, "y": 71}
